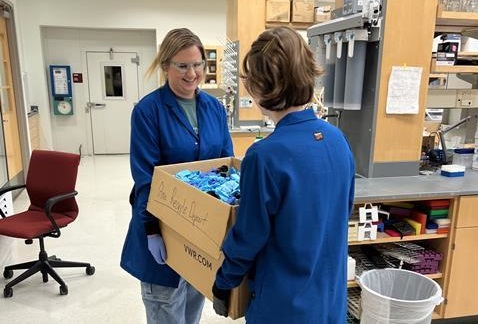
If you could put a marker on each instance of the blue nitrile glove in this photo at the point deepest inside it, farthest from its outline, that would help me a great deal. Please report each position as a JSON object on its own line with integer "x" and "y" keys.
{"x": 157, "y": 248}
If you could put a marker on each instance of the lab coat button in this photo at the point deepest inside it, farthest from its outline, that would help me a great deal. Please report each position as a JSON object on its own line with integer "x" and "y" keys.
{"x": 195, "y": 143}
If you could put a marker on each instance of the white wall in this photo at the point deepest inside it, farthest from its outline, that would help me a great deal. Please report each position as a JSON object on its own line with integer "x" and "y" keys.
{"x": 207, "y": 18}
{"x": 68, "y": 46}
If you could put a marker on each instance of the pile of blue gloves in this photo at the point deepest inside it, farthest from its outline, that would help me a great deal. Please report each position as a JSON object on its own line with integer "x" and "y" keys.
{"x": 222, "y": 183}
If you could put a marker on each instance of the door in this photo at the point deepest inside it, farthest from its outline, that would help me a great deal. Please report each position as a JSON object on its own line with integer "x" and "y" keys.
{"x": 113, "y": 92}
{"x": 462, "y": 293}
{"x": 9, "y": 113}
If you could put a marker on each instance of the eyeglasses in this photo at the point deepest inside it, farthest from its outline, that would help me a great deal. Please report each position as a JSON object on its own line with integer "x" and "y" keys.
{"x": 183, "y": 68}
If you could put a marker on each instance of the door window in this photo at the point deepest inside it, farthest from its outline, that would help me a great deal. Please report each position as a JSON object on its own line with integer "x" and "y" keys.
{"x": 113, "y": 77}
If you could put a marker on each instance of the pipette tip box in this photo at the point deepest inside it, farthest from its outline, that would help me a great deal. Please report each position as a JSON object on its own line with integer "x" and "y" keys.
{"x": 452, "y": 170}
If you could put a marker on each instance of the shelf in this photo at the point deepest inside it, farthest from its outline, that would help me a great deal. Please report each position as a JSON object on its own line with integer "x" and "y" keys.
{"x": 437, "y": 75}
{"x": 452, "y": 68}
{"x": 353, "y": 283}
{"x": 384, "y": 238}
{"x": 451, "y": 21}
{"x": 209, "y": 86}
{"x": 294, "y": 25}
{"x": 469, "y": 54}
{"x": 212, "y": 63}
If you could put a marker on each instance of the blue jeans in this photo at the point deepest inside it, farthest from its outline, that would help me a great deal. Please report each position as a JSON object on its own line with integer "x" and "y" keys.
{"x": 167, "y": 305}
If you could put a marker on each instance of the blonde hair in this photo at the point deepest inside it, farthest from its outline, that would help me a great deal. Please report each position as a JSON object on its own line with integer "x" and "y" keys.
{"x": 175, "y": 41}
{"x": 280, "y": 69}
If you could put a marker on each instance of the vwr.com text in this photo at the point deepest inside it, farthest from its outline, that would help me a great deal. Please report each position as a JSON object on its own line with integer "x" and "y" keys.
{"x": 198, "y": 257}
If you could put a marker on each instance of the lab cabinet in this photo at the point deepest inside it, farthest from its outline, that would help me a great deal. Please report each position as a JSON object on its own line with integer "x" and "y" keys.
{"x": 465, "y": 75}
{"x": 462, "y": 292}
{"x": 437, "y": 242}
{"x": 384, "y": 144}
{"x": 459, "y": 264}
{"x": 243, "y": 140}
{"x": 455, "y": 22}
{"x": 462, "y": 289}
{"x": 212, "y": 77}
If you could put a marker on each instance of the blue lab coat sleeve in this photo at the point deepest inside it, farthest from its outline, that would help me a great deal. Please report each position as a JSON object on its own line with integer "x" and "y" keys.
{"x": 250, "y": 234}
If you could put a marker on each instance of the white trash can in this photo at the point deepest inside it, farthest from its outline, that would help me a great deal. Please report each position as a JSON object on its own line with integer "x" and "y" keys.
{"x": 394, "y": 296}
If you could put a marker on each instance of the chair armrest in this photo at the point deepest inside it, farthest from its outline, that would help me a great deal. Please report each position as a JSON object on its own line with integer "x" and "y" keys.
{"x": 50, "y": 203}
{"x": 10, "y": 188}
{"x": 7, "y": 189}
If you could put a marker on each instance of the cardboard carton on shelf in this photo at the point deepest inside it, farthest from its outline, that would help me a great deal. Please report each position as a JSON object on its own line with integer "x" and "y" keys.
{"x": 278, "y": 11}
{"x": 322, "y": 14}
{"x": 193, "y": 226}
{"x": 303, "y": 11}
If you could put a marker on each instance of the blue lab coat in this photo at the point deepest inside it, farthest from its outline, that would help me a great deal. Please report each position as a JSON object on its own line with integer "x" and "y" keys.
{"x": 290, "y": 236}
{"x": 161, "y": 134}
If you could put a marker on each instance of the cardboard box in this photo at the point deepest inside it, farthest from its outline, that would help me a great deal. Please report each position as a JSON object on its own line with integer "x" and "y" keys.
{"x": 353, "y": 231}
{"x": 278, "y": 11}
{"x": 322, "y": 14}
{"x": 303, "y": 11}
{"x": 193, "y": 225}
{"x": 199, "y": 269}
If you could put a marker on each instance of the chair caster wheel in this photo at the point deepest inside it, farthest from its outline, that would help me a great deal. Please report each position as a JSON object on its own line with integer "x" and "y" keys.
{"x": 64, "y": 290}
{"x": 45, "y": 277}
{"x": 8, "y": 292}
{"x": 7, "y": 274}
{"x": 90, "y": 270}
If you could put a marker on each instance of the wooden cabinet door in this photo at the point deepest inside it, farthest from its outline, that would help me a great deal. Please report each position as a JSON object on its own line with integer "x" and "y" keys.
{"x": 8, "y": 108}
{"x": 462, "y": 292}
{"x": 467, "y": 212}
{"x": 241, "y": 143}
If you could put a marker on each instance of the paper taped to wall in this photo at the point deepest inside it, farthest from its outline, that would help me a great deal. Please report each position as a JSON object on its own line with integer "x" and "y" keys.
{"x": 404, "y": 90}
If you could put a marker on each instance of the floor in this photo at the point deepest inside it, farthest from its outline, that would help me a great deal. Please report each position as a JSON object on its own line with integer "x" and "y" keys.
{"x": 110, "y": 295}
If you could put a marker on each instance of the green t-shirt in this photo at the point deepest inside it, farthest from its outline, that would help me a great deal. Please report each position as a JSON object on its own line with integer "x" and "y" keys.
{"x": 189, "y": 108}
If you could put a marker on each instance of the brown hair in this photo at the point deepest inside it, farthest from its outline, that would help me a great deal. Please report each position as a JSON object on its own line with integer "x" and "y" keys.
{"x": 175, "y": 41}
{"x": 280, "y": 69}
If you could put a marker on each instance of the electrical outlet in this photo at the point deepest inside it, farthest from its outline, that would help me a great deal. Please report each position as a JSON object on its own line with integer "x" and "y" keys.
{"x": 466, "y": 102}
{"x": 245, "y": 102}
{"x": 464, "y": 98}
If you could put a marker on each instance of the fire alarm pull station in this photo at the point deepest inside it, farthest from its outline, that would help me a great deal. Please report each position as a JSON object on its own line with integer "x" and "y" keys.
{"x": 60, "y": 78}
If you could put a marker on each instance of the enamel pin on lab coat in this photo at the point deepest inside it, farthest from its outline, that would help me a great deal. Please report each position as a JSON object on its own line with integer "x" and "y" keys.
{"x": 318, "y": 136}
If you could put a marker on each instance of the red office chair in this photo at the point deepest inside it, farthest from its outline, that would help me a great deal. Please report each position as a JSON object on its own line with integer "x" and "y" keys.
{"x": 50, "y": 186}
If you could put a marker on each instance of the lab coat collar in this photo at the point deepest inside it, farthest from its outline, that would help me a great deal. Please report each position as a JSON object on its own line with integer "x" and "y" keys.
{"x": 296, "y": 117}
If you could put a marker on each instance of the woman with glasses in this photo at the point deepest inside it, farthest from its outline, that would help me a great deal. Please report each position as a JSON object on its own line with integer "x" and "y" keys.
{"x": 297, "y": 191}
{"x": 175, "y": 123}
